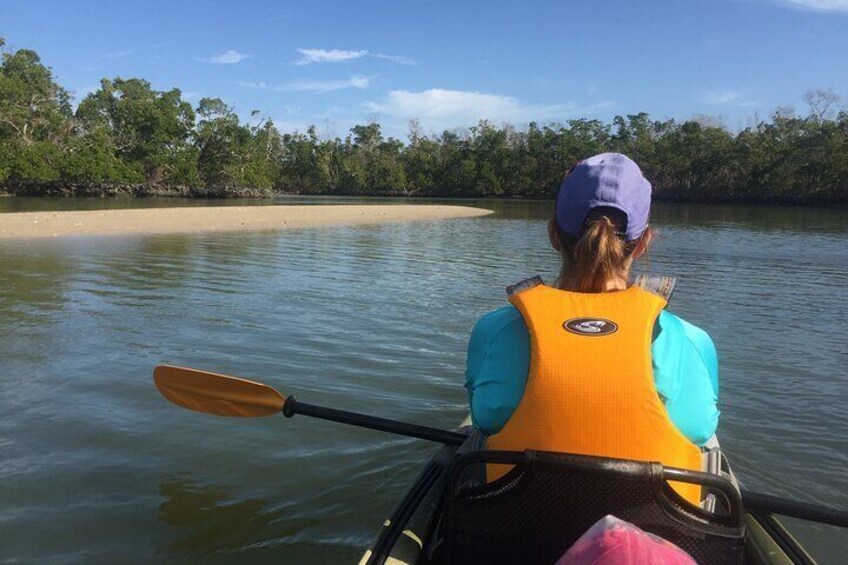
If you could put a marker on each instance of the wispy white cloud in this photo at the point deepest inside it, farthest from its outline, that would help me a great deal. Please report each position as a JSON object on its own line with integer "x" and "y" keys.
{"x": 399, "y": 59}
{"x": 727, "y": 97}
{"x": 717, "y": 97}
{"x": 309, "y": 56}
{"x": 319, "y": 86}
{"x": 357, "y": 81}
{"x": 120, "y": 53}
{"x": 818, "y": 5}
{"x": 229, "y": 57}
{"x": 440, "y": 108}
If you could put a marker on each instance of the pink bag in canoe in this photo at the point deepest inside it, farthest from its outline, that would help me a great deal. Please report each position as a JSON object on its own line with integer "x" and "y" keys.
{"x": 611, "y": 541}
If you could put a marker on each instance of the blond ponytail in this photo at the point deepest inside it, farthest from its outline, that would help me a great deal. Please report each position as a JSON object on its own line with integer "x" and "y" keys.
{"x": 598, "y": 256}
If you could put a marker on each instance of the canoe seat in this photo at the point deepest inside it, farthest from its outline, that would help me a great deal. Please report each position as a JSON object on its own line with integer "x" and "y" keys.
{"x": 535, "y": 512}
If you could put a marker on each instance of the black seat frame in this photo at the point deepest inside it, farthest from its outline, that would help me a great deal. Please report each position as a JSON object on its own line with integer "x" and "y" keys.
{"x": 536, "y": 511}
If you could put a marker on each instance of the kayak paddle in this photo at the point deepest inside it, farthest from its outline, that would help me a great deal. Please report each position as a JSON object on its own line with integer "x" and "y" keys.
{"x": 222, "y": 395}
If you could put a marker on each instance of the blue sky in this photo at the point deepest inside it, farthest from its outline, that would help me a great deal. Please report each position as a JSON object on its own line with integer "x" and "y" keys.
{"x": 334, "y": 64}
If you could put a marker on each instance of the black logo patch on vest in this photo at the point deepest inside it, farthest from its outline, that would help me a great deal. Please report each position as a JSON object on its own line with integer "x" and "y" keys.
{"x": 590, "y": 326}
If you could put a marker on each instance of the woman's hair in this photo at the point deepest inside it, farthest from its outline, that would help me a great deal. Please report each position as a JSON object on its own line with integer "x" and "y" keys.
{"x": 600, "y": 253}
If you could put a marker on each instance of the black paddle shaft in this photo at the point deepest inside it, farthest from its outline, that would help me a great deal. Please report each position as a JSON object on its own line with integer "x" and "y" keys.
{"x": 292, "y": 407}
{"x": 753, "y": 500}
{"x": 795, "y": 509}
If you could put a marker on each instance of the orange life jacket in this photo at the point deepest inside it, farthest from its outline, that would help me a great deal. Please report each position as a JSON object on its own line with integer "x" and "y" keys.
{"x": 590, "y": 389}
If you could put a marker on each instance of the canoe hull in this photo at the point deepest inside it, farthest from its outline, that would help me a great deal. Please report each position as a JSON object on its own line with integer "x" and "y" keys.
{"x": 407, "y": 535}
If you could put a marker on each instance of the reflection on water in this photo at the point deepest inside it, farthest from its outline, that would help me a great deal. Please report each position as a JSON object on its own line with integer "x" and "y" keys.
{"x": 54, "y": 204}
{"x": 95, "y": 466}
{"x": 209, "y": 523}
{"x": 784, "y": 218}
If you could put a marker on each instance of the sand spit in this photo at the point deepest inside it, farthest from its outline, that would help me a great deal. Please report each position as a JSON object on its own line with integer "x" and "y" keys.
{"x": 218, "y": 218}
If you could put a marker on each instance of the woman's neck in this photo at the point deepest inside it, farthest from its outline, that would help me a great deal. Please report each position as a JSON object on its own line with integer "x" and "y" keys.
{"x": 612, "y": 285}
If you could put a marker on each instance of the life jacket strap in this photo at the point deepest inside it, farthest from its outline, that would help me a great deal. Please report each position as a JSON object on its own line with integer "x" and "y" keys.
{"x": 661, "y": 285}
{"x": 526, "y": 284}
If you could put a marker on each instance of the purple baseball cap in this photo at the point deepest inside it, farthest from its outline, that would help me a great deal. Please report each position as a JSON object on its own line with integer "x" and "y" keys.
{"x": 608, "y": 179}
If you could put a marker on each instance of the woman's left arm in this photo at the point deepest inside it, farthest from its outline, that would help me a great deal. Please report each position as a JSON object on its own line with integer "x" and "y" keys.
{"x": 686, "y": 376}
{"x": 496, "y": 368}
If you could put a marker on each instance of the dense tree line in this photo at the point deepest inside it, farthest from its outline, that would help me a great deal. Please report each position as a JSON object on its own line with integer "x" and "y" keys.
{"x": 127, "y": 132}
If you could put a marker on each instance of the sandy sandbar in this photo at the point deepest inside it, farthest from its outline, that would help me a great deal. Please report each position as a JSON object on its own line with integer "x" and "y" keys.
{"x": 217, "y": 218}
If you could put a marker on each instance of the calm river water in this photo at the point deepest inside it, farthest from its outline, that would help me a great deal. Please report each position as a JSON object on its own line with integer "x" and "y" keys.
{"x": 96, "y": 467}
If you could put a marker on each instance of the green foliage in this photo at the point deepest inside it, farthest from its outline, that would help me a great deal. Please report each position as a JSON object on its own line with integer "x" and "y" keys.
{"x": 34, "y": 118}
{"x": 128, "y": 132}
{"x": 33, "y": 107}
{"x": 234, "y": 155}
{"x": 146, "y": 126}
{"x": 36, "y": 160}
{"x": 91, "y": 157}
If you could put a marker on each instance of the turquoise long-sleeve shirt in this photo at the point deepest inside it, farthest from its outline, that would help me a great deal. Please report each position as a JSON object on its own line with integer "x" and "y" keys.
{"x": 683, "y": 356}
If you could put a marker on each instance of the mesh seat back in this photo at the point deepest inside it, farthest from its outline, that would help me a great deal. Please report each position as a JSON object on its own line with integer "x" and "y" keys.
{"x": 535, "y": 512}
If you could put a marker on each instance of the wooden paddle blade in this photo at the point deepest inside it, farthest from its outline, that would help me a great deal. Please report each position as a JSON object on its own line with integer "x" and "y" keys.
{"x": 216, "y": 394}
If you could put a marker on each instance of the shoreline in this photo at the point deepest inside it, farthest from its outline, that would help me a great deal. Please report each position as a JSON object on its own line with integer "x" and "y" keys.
{"x": 151, "y": 221}
{"x": 142, "y": 192}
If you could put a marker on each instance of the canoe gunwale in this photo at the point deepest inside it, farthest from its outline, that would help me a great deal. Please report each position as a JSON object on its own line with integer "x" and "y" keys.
{"x": 435, "y": 473}
{"x": 417, "y": 515}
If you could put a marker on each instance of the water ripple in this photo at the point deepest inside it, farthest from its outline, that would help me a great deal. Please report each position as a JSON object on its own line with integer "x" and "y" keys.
{"x": 373, "y": 319}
